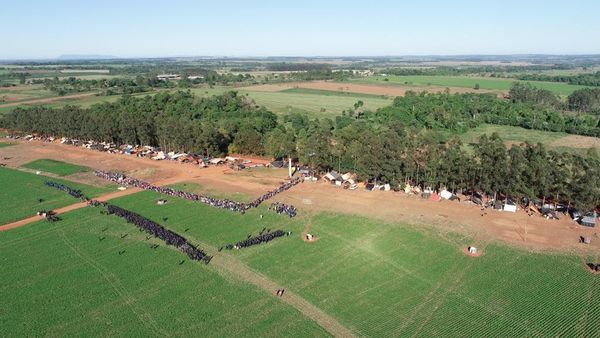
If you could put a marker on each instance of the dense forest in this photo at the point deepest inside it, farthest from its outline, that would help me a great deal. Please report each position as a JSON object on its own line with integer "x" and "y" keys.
{"x": 396, "y": 144}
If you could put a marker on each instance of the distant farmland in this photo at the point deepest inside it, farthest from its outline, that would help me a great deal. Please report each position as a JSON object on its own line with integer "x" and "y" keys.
{"x": 501, "y": 84}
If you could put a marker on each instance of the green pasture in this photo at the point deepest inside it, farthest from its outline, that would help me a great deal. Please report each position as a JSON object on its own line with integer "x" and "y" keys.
{"x": 20, "y": 193}
{"x": 384, "y": 279}
{"x": 56, "y": 167}
{"x": 503, "y": 84}
{"x": 68, "y": 279}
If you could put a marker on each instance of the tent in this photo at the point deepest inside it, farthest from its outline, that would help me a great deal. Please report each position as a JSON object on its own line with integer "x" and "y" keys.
{"x": 445, "y": 194}
{"x": 216, "y": 161}
{"x": 510, "y": 207}
{"x": 387, "y": 187}
{"x": 588, "y": 220}
{"x": 434, "y": 197}
{"x": 370, "y": 186}
{"x": 332, "y": 176}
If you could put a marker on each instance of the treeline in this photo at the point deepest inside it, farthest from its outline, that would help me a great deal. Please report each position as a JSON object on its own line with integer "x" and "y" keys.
{"x": 459, "y": 112}
{"x": 493, "y": 71}
{"x": 397, "y": 144}
{"x": 107, "y": 86}
{"x": 585, "y": 79}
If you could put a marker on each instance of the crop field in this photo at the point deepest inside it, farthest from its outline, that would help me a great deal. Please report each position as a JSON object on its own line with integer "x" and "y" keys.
{"x": 382, "y": 279}
{"x": 68, "y": 279}
{"x": 56, "y": 167}
{"x": 23, "y": 93}
{"x": 20, "y": 193}
{"x": 314, "y": 104}
{"x": 516, "y": 135}
{"x": 502, "y": 84}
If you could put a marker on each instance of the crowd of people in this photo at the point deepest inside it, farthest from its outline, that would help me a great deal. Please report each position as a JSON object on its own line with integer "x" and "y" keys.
{"x": 214, "y": 202}
{"x": 284, "y": 209}
{"x": 262, "y": 238}
{"x": 157, "y": 230}
{"x": 73, "y": 192}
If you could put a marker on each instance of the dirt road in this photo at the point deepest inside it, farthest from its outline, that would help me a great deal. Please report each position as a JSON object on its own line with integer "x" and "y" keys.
{"x": 68, "y": 208}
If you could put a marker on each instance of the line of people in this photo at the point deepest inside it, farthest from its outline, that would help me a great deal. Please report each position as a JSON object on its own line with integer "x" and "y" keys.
{"x": 214, "y": 202}
{"x": 73, "y": 192}
{"x": 157, "y": 230}
{"x": 262, "y": 238}
{"x": 284, "y": 209}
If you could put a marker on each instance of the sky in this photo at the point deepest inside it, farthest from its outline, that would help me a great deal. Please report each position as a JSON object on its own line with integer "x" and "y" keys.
{"x": 132, "y": 28}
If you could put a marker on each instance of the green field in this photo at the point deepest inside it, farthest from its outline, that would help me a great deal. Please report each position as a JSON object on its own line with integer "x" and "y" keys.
{"x": 393, "y": 280}
{"x": 5, "y": 144}
{"x": 517, "y": 135}
{"x": 20, "y": 193}
{"x": 24, "y": 93}
{"x": 331, "y": 93}
{"x": 376, "y": 279}
{"x": 465, "y": 82}
{"x": 56, "y": 167}
{"x": 60, "y": 279}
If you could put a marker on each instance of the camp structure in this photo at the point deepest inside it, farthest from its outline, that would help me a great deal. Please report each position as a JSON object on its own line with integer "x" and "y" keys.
{"x": 588, "y": 220}
{"x": 216, "y": 161}
{"x": 332, "y": 177}
{"x": 510, "y": 207}
{"x": 445, "y": 194}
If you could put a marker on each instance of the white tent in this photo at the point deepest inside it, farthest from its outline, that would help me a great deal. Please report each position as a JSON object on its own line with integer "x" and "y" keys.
{"x": 445, "y": 194}
{"x": 216, "y": 161}
{"x": 386, "y": 187}
{"x": 510, "y": 207}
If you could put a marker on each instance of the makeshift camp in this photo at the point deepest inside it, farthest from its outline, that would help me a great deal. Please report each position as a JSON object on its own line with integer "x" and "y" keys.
{"x": 216, "y": 161}
{"x": 370, "y": 186}
{"x": 159, "y": 156}
{"x": 510, "y": 207}
{"x": 588, "y": 220}
{"x": 387, "y": 187}
{"x": 332, "y": 176}
{"x": 497, "y": 205}
{"x": 445, "y": 194}
{"x": 434, "y": 197}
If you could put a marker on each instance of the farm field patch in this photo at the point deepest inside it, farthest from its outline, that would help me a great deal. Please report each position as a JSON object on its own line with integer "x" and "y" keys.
{"x": 501, "y": 84}
{"x": 389, "y": 279}
{"x": 21, "y": 191}
{"x": 56, "y": 167}
{"x": 68, "y": 279}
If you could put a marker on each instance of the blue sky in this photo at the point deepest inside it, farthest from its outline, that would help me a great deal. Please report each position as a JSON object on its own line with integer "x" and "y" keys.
{"x": 47, "y": 29}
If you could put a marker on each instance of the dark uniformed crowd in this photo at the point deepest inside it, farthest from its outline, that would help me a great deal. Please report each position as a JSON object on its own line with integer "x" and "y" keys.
{"x": 284, "y": 209}
{"x": 158, "y": 231}
{"x": 214, "y": 202}
{"x": 73, "y": 192}
{"x": 261, "y": 238}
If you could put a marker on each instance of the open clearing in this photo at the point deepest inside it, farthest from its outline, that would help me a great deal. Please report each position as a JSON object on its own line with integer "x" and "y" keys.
{"x": 55, "y": 167}
{"x": 498, "y": 84}
{"x": 516, "y": 135}
{"x": 374, "y": 278}
{"x": 60, "y": 279}
{"x": 20, "y": 193}
{"x": 355, "y": 86}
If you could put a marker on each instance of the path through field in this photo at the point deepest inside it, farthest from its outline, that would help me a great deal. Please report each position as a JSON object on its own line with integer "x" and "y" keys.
{"x": 47, "y": 100}
{"x": 241, "y": 271}
{"x": 68, "y": 208}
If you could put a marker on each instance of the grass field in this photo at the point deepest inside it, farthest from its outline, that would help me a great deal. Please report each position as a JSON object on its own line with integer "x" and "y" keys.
{"x": 60, "y": 279}
{"x": 24, "y": 93}
{"x": 5, "y": 144}
{"x": 331, "y": 93}
{"x": 466, "y": 82}
{"x": 393, "y": 280}
{"x": 56, "y": 167}
{"x": 20, "y": 193}
{"x": 516, "y": 135}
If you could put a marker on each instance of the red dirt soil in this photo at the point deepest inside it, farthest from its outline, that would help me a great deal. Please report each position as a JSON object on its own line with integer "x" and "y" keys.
{"x": 518, "y": 229}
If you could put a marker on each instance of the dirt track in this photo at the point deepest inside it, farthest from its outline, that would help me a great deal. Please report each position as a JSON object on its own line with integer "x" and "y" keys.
{"x": 68, "y": 208}
{"x": 387, "y": 90}
{"x": 46, "y": 100}
{"x": 533, "y": 233}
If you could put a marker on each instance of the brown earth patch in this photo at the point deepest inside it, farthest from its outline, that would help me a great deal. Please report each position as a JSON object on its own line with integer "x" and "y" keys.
{"x": 577, "y": 141}
{"x": 385, "y": 90}
{"x": 46, "y": 100}
{"x": 518, "y": 229}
